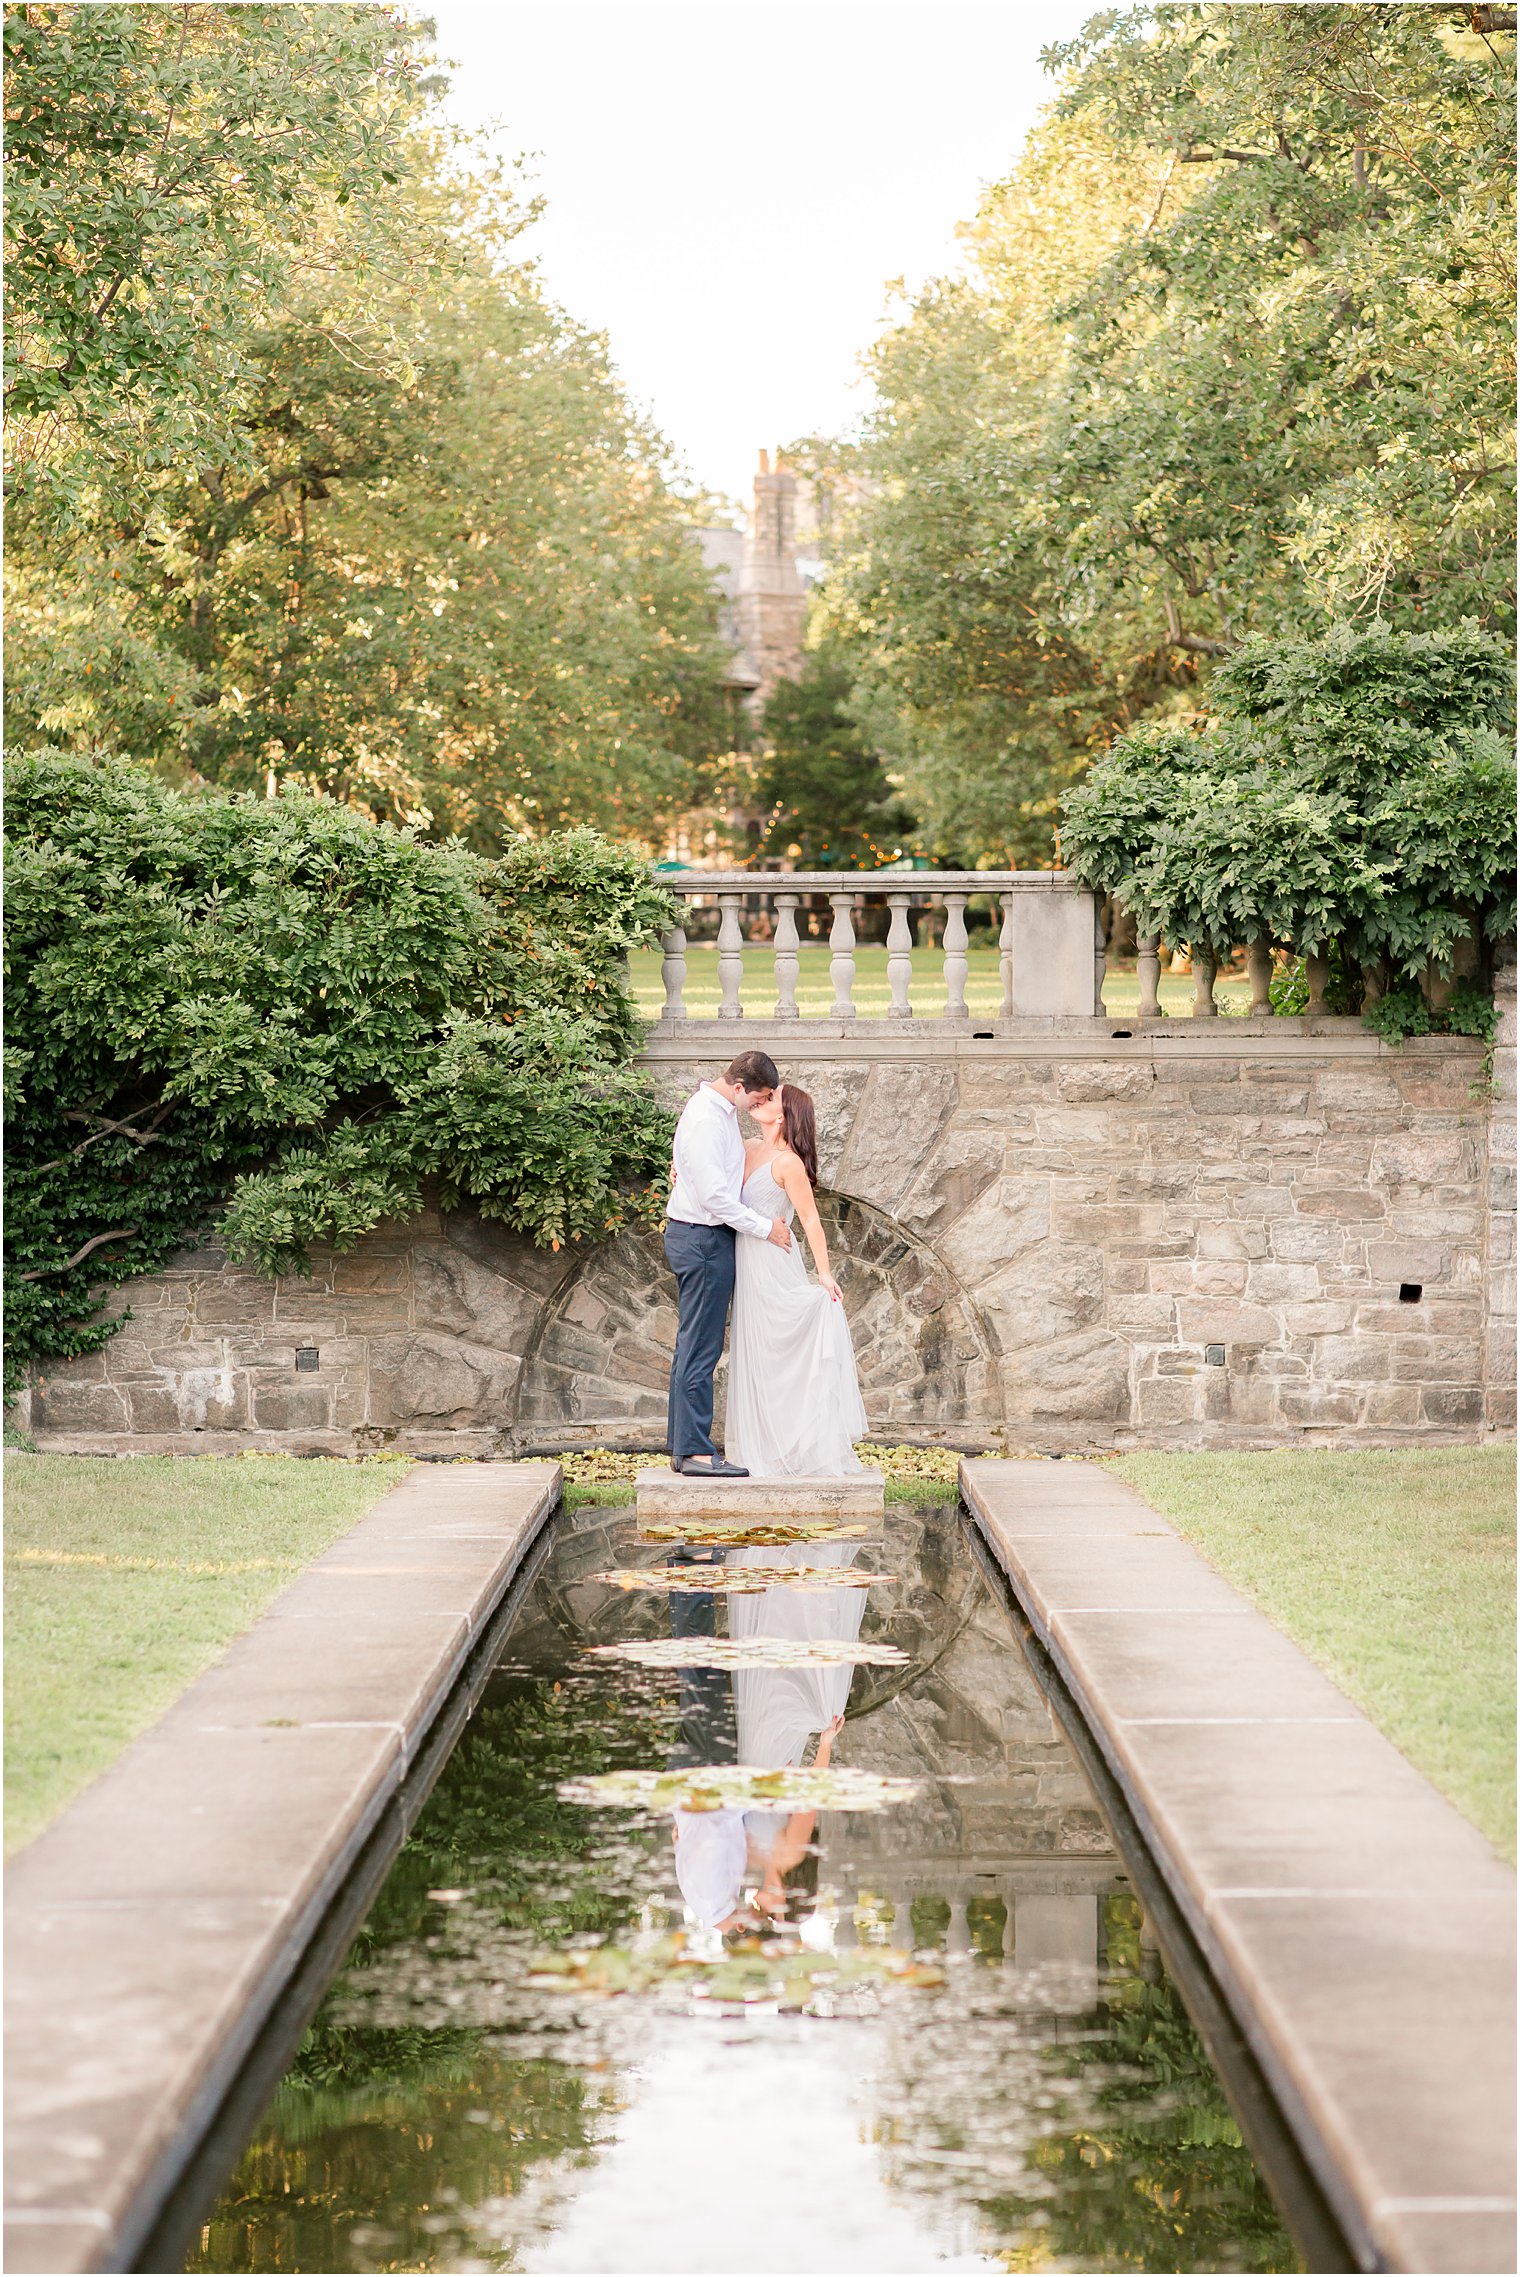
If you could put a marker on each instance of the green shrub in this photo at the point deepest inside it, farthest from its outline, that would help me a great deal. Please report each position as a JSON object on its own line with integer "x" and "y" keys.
{"x": 1353, "y": 791}
{"x": 284, "y": 1008}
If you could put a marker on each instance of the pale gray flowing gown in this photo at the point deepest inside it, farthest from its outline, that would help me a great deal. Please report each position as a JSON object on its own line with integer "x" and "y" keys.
{"x": 794, "y": 1405}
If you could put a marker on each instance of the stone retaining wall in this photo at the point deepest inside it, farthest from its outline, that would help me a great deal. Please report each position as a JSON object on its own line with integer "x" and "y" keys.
{"x": 1181, "y": 1236}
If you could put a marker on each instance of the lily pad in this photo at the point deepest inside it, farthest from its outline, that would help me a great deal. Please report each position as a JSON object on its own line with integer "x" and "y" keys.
{"x": 738, "y": 1580}
{"x": 749, "y": 1652}
{"x": 735, "y": 1786}
{"x": 778, "y": 1534}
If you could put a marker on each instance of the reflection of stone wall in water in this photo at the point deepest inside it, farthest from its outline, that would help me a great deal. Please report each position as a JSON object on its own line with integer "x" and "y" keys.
{"x": 1231, "y": 1240}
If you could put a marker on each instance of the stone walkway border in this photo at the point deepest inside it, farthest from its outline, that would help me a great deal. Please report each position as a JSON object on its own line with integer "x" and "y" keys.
{"x": 151, "y": 1929}
{"x": 1359, "y": 1929}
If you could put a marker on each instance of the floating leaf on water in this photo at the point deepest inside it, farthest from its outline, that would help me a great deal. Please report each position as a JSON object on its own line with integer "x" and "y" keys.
{"x": 777, "y": 1535}
{"x": 737, "y": 1786}
{"x": 749, "y": 1652}
{"x": 739, "y": 1580}
{"x": 775, "y": 1971}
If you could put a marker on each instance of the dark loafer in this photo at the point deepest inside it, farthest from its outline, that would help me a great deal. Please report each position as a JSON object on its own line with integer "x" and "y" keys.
{"x": 692, "y": 1468}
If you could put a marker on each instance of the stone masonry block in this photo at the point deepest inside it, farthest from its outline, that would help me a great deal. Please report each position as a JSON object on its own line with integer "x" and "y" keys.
{"x": 1396, "y": 1261}
{"x": 1435, "y": 1360}
{"x": 1452, "y": 1407}
{"x": 1085, "y": 1080}
{"x": 1230, "y": 1240}
{"x": 1219, "y": 1320}
{"x": 1013, "y": 1216}
{"x": 1424, "y": 1158}
{"x": 1350, "y": 1359}
{"x": 1318, "y": 1409}
{"x": 1274, "y": 1283}
{"x": 1168, "y": 1399}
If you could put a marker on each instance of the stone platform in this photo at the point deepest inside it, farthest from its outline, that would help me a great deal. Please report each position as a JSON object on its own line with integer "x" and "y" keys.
{"x": 665, "y": 1493}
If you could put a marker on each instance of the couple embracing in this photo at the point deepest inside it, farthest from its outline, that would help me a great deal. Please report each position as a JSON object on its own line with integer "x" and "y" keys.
{"x": 794, "y": 1406}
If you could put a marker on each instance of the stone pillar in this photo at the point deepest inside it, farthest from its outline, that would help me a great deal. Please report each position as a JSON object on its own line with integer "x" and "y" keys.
{"x": 1205, "y": 967}
{"x": 730, "y": 958}
{"x": 673, "y": 973}
{"x": 1259, "y": 967}
{"x": 786, "y": 956}
{"x": 1053, "y": 963}
{"x": 1150, "y": 976}
{"x": 900, "y": 957}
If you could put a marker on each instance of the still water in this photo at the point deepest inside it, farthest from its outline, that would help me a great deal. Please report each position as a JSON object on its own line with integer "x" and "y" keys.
{"x": 878, "y": 2000}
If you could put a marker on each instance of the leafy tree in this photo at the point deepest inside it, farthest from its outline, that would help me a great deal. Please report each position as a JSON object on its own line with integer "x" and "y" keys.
{"x": 382, "y": 523}
{"x": 822, "y": 785}
{"x": 1233, "y": 357}
{"x": 176, "y": 175}
{"x": 279, "y": 1005}
{"x": 1357, "y": 789}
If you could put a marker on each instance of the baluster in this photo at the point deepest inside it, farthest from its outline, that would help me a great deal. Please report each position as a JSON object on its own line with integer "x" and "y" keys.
{"x": 956, "y": 965}
{"x": 1010, "y": 1907}
{"x": 1205, "y": 966}
{"x": 842, "y": 962}
{"x": 900, "y": 956}
{"x": 1005, "y": 946}
{"x": 1259, "y": 966}
{"x": 786, "y": 956}
{"x": 1317, "y": 974}
{"x": 730, "y": 958}
{"x": 673, "y": 973}
{"x": 958, "y": 1934}
{"x": 1150, "y": 976}
{"x": 903, "y": 1937}
{"x": 1100, "y": 956}
{"x": 846, "y": 1931}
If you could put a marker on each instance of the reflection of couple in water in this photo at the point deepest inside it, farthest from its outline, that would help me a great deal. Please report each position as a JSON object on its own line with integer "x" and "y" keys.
{"x": 744, "y": 1869}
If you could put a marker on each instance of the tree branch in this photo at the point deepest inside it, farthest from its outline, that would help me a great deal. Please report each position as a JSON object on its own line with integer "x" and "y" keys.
{"x": 117, "y": 1233}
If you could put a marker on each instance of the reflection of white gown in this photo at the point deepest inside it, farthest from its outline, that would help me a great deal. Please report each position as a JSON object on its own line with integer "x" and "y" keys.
{"x": 778, "y": 1709}
{"x": 794, "y": 1405}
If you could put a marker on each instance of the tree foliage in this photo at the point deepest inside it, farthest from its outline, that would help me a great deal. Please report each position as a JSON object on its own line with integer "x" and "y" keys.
{"x": 347, "y": 504}
{"x": 174, "y": 180}
{"x": 822, "y": 784}
{"x": 1356, "y": 789}
{"x": 281, "y": 1006}
{"x": 1232, "y": 358}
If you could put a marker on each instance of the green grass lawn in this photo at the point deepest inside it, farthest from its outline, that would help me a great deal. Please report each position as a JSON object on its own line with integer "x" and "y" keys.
{"x": 124, "y": 1580}
{"x": 1395, "y": 1571}
{"x": 815, "y": 991}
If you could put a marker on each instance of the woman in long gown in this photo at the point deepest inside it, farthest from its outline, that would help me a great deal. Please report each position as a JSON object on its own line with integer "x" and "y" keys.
{"x": 794, "y": 1405}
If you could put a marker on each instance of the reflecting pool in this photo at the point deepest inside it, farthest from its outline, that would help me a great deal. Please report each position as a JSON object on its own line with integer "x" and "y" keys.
{"x": 762, "y": 1919}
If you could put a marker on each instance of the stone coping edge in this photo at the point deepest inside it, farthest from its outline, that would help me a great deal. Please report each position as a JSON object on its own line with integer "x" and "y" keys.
{"x": 153, "y": 1927}
{"x": 1312, "y": 1867}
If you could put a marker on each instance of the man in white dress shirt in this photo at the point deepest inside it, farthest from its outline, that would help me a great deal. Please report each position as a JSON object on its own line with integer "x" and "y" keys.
{"x": 705, "y": 1214}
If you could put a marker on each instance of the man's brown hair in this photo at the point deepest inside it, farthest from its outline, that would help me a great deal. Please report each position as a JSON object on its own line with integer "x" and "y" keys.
{"x": 752, "y": 1071}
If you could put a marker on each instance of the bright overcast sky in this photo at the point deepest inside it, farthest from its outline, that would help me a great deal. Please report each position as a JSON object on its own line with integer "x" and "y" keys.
{"x": 732, "y": 184}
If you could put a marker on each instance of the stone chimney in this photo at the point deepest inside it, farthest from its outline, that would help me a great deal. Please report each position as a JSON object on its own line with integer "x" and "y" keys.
{"x": 772, "y": 599}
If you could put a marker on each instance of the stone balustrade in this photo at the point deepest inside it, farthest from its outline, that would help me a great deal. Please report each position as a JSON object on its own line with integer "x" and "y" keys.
{"x": 1050, "y": 941}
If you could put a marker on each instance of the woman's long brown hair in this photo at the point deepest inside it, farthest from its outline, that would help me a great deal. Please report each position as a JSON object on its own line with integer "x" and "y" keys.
{"x": 799, "y": 1129}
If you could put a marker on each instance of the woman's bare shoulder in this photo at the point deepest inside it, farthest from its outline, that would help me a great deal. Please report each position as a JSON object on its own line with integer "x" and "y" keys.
{"x": 789, "y": 1174}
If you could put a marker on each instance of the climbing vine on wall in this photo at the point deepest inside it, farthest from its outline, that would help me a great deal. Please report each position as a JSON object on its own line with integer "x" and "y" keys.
{"x": 281, "y": 1009}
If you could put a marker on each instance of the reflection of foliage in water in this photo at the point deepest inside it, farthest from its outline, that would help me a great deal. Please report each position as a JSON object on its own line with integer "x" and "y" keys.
{"x": 379, "y": 2140}
{"x": 1139, "y": 2164}
{"x": 439, "y": 2104}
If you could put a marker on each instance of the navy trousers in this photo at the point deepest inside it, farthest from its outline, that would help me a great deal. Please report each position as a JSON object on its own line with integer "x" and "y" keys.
{"x": 702, "y": 1260}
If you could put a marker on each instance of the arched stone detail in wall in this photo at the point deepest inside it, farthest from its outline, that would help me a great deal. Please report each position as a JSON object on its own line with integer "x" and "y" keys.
{"x": 599, "y": 1364}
